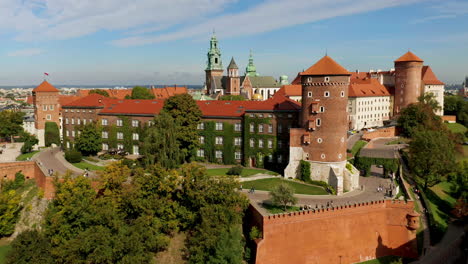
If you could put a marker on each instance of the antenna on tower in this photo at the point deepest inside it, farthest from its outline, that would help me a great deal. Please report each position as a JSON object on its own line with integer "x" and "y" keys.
{"x": 326, "y": 52}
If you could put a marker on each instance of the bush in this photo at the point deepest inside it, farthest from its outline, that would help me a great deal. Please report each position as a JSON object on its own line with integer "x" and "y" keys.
{"x": 29, "y": 141}
{"x": 255, "y": 233}
{"x": 236, "y": 170}
{"x": 325, "y": 185}
{"x": 73, "y": 156}
{"x": 52, "y": 134}
{"x": 305, "y": 170}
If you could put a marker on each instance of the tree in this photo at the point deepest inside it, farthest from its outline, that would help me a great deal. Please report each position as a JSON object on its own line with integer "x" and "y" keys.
{"x": 9, "y": 211}
{"x": 305, "y": 170}
{"x": 52, "y": 134}
{"x": 11, "y": 123}
{"x": 184, "y": 109}
{"x": 161, "y": 145}
{"x": 140, "y": 92}
{"x": 282, "y": 195}
{"x": 114, "y": 176}
{"x": 99, "y": 91}
{"x": 30, "y": 247}
{"x": 456, "y": 105}
{"x": 419, "y": 116}
{"x": 29, "y": 142}
{"x": 431, "y": 155}
{"x": 89, "y": 142}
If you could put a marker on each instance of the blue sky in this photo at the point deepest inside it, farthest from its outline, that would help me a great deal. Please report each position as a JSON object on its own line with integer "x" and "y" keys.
{"x": 165, "y": 42}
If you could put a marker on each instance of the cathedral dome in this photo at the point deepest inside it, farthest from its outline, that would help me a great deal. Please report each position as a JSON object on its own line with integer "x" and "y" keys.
{"x": 257, "y": 97}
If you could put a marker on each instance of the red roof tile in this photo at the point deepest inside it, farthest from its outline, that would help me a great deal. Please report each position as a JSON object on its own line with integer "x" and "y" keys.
{"x": 45, "y": 87}
{"x": 366, "y": 88}
{"x": 428, "y": 76}
{"x": 297, "y": 80}
{"x": 291, "y": 90}
{"x": 66, "y": 99}
{"x": 133, "y": 107}
{"x": 409, "y": 56}
{"x": 168, "y": 91}
{"x": 326, "y": 66}
{"x": 92, "y": 100}
{"x": 114, "y": 93}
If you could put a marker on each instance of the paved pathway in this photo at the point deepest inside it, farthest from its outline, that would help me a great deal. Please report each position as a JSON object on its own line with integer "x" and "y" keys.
{"x": 52, "y": 158}
{"x": 353, "y": 139}
{"x": 10, "y": 152}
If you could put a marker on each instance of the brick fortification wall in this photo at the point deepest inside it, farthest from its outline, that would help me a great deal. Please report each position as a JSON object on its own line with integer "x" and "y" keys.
{"x": 31, "y": 171}
{"x": 346, "y": 234}
{"x": 381, "y": 132}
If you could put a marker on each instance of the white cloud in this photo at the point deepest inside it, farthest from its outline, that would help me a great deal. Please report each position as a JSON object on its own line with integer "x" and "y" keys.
{"x": 267, "y": 16}
{"x": 444, "y": 10}
{"x": 25, "y": 52}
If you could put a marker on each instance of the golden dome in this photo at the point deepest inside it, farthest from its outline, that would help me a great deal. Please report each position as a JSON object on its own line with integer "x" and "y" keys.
{"x": 257, "y": 97}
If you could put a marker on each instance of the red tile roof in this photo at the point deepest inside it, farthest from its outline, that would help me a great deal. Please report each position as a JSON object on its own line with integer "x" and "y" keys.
{"x": 291, "y": 90}
{"x": 133, "y": 107}
{"x": 168, "y": 91}
{"x": 114, "y": 93}
{"x": 45, "y": 86}
{"x": 92, "y": 100}
{"x": 297, "y": 80}
{"x": 326, "y": 66}
{"x": 66, "y": 99}
{"x": 409, "y": 56}
{"x": 366, "y": 87}
{"x": 428, "y": 76}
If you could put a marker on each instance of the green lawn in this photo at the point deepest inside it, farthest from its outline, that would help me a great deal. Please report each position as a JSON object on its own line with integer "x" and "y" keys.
{"x": 85, "y": 165}
{"x": 275, "y": 209}
{"x": 245, "y": 172}
{"x": 269, "y": 184}
{"x": 456, "y": 128}
{"x": 26, "y": 156}
{"x": 358, "y": 146}
{"x": 3, "y": 251}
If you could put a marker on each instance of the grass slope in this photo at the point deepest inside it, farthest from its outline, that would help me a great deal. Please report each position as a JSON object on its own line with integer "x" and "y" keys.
{"x": 456, "y": 128}
{"x": 269, "y": 184}
{"x": 85, "y": 165}
{"x": 358, "y": 146}
{"x": 26, "y": 156}
{"x": 245, "y": 172}
{"x": 3, "y": 252}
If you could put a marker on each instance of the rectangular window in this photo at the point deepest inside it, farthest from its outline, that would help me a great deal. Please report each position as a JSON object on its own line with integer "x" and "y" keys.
{"x": 136, "y": 150}
{"x": 119, "y": 135}
{"x": 135, "y": 123}
{"x": 135, "y": 136}
{"x": 219, "y": 126}
{"x": 280, "y": 144}
{"x": 72, "y": 110}
{"x": 90, "y": 121}
{"x": 238, "y": 127}
{"x": 78, "y": 121}
{"x": 270, "y": 128}
{"x": 105, "y": 146}
{"x": 51, "y": 107}
{"x": 280, "y": 158}
{"x": 270, "y": 143}
{"x": 66, "y": 121}
{"x": 104, "y": 122}
{"x": 202, "y": 139}
{"x": 150, "y": 123}
{"x": 84, "y": 121}
{"x": 120, "y": 146}
{"x": 260, "y": 143}
{"x": 77, "y": 110}
{"x": 237, "y": 141}
{"x": 237, "y": 155}
{"x": 105, "y": 134}
{"x": 260, "y": 128}
{"x": 68, "y": 133}
{"x": 252, "y": 142}
{"x": 219, "y": 154}
{"x": 201, "y": 126}
{"x": 119, "y": 122}
{"x": 201, "y": 153}
{"x": 66, "y": 110}
{"x": 73, "y": 133}
{"x": 48, "y": 117}
{"x": 280, "y": 128}
{"x": 219, "y": 140}
{"x": 44, "y": 107}
{"x": 252, "y": 127}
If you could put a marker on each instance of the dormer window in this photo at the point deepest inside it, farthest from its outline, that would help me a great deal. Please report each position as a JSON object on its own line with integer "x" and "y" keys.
{"x": 309, "y": 79}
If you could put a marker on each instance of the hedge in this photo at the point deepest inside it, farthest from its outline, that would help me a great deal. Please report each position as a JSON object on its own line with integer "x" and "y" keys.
{"x": 52, "y": 134}
{"x": 73, "y": 156}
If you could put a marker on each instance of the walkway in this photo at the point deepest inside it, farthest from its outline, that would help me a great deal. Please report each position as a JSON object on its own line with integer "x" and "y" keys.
{"x": 10, "y": 152}
{"x": 52, "y": 158}
{"x": 353, "y": 139}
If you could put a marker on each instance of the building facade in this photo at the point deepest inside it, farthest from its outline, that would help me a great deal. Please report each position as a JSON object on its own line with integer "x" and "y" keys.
{"x": 46, "y": 108}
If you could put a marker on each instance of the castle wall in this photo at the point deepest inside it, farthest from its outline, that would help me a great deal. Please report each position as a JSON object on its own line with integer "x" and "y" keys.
{"x": 381, "y": 132}
{"x": 346, "y": 234}
{"x": 407, "y": 84}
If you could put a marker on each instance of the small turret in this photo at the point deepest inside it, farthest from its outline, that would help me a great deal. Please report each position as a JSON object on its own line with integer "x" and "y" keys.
{"x": 251, "y": 70}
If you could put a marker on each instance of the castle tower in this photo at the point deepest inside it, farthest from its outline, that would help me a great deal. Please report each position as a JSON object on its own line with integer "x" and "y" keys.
{"x": 46, "y": 108}
{"x": 214, "y": 66}
{"x": 251, "y": 70}
{"x": 408, "y": 86}
{"x": 321, "y": 140}
{"x": 233, "y": 80}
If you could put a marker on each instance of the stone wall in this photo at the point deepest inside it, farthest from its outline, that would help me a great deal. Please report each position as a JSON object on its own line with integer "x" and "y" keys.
{"x": 346, "y": 234}
{"x": 31, "y": 170}
{"x": 381, "y": 132}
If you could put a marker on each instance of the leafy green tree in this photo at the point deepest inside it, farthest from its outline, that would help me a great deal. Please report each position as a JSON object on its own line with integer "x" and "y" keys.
{"x": 229, "y": 247}
{"x": 418, "y": 116}
{"x": 114, "y": 176}
{"x": 99, "y": 91}
{"x": 89, "y": 142}
{"x": 305, "y": 170}
{"x": 184, "y": 109}
{"x": 283, "y": 195}
{"x": 51, "y": 134}
{"x": 30, "y": 247}
{"x": 456, "y": 105}
{"x": 140, "y": 92}
{"x": 161, "y": 145}
{"x": 11, "y": 123}
{"x": 29, "y": 142}
{"x": 431, "y": 156}
{"x": 9, "y": 211}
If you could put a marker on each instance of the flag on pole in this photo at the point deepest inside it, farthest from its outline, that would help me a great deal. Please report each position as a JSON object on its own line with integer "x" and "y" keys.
{"x": 45, "y": 73}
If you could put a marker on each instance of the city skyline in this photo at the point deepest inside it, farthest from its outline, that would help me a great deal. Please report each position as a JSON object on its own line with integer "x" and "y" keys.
{"x": 154, "y": 42}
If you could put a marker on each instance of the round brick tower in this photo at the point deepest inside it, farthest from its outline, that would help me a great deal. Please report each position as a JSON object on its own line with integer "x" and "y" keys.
{"x": 408, "y": 69}
{"x": 324, "y": 111}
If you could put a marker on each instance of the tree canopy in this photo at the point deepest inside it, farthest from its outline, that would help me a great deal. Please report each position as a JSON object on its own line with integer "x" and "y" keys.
{"x": 283, "y": 195}
{"x": 456, "y": 105}
{"x": 185, "y": 111}
{"x": 418, "y": 116}
{"x": 89, "y": 141}
{"x": 99, "y": 91}
{"x": 11, "y": 123}
{"x": 140, "y": 92}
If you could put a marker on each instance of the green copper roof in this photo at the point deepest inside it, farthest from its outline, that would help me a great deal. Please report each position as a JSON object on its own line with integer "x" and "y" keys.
{"x": 251, "y": 70}
{"x": 214, "y": 55}
{"x": 232, "y": 64}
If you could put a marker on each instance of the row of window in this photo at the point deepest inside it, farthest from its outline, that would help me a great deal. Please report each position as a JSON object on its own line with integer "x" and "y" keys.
{"x": 135, "y": 123}
{"x": 373, "y": 115}
{"x": 238, "y": 141}
{"x": 105, "y": 134}
{"x": 44, "y": 107}
{"x": 77, "y": 121}
{"x": 238, "y": 126}
{"x": 237, "y": 155}
{"x": 325, "y": 94}
{"x": 372, "y": 108}
{"x": 136, "y": 148}
{"x": 369, "y": 102}
{"x": 78, "y": 110}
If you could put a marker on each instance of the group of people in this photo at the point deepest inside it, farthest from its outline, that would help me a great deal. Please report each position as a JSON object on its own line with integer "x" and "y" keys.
{"x": 51, "y": 171}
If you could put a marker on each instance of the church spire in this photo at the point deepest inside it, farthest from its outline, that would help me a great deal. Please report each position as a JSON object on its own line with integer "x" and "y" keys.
{"x": 214, "y": 55}
{"x": 251, "y": 70}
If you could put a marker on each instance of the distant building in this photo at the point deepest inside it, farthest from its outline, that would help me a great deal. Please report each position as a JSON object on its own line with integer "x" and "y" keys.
{"x": 464, "y": 90}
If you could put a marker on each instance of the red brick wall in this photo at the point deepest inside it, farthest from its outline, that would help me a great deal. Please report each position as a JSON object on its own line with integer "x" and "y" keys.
{"x": 49, "y": 99}
{"x": 407, "y": 84}
{"x": 346, "y": 235}
{"x": 381, "y": 132}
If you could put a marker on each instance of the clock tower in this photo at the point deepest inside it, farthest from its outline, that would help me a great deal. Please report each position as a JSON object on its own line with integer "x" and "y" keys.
{"x": 214, "y": 66}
